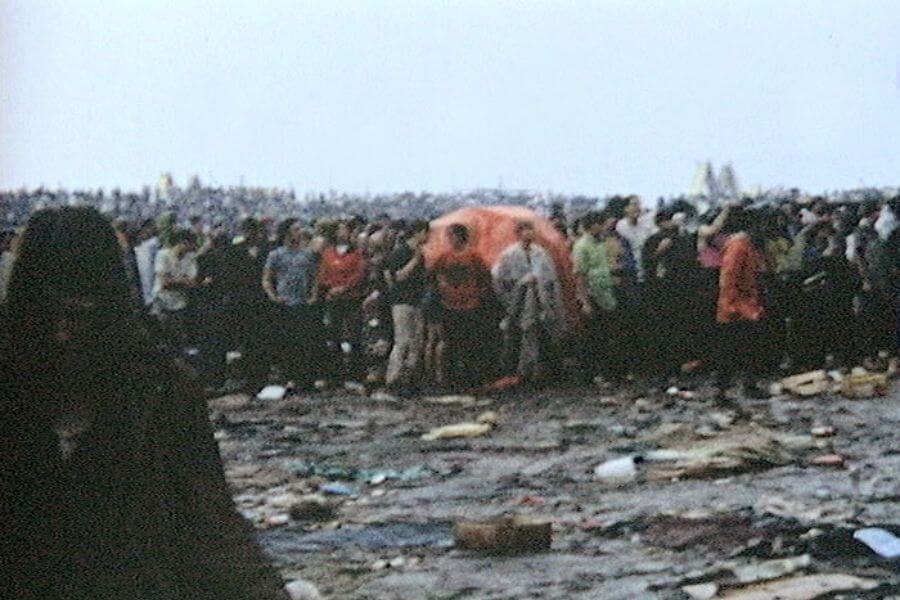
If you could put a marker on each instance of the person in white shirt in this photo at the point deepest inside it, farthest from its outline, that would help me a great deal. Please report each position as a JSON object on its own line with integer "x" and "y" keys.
{"x": 145, "y": 256}
{"x": 886, "y": 222}
{"x": 176, "y": 273}
{"x": 636, "y": 227}
{"x": 525, "y": 280}
{"x": 8, "y": 243}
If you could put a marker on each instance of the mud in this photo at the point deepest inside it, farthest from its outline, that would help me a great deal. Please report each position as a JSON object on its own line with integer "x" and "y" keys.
{"x": 640, "y": 538}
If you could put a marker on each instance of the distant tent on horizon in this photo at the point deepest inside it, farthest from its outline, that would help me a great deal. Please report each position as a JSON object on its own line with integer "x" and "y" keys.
{"x": 704, "y": 192}
{"x": 704, "y": 183}
{"x": 728, "y": 184}
{"x": 194, "y": 182}
{"x": 165, "y": 185}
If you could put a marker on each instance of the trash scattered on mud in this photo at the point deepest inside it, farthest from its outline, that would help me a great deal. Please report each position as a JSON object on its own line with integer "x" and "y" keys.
{"x": 300, "y": 589}
{"x": 302, "y": 469}
{"x": 644, "y": 494}
{"x": 373, "y": 537}
{"x": 882, "y": 542}
{"x": 482, "y": 426}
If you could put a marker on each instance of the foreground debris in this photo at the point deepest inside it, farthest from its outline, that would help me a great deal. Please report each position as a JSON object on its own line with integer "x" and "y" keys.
{"x": 511, "y": 535}
{"x": 484, "y": 424}
{"x": 633, "y": 493}
{"x": 302, "y": 590}
{"x": 882, "y": 542}
{"x": 794, "y": 588}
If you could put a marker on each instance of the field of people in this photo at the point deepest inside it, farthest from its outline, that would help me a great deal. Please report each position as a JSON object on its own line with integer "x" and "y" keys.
{"x": 664, "y": 404}
{"x": 423, "y": 303}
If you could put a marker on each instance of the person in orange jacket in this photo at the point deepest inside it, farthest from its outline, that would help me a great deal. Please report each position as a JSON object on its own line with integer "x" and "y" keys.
{"x": 740, "y": 311}
{"x": 468, "y": 311}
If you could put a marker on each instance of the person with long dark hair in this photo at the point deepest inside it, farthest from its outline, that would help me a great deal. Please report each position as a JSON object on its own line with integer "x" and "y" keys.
{"x": 249, "y": 312}
{"x": 671, "y": 289}
{"x": 214, "y": 337}
{"x": 113, "y": 486}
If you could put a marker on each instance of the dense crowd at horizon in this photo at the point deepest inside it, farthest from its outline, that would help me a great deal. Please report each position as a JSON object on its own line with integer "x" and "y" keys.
{"x": 228, "y": 205}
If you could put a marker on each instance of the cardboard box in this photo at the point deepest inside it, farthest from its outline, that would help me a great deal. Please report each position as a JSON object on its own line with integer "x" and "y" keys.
{"x": 506, "y": 535}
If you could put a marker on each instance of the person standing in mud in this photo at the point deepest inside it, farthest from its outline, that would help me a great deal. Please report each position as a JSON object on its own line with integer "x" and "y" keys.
{"x": 176, "y": 276}
{"x": 213, "y": 337}
{"x": 406, "y": 276}
{"x": 526, "y": 282}
{"x": 288, "y": 280}
{"x": 113, "y": 486}
{"x": 740, "y": 311}
{"x": 340, "y": 280}
{"x": 249, "y": 311}
{"x": 596, "y": 294}
{"x": 671, "y": 288}
{"x": 470, "y": 329}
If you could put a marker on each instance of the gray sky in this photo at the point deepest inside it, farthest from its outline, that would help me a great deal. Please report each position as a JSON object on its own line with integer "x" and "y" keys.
{"x": 571, "y": 96}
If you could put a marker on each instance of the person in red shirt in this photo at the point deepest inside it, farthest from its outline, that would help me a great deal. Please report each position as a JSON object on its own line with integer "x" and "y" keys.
{"x": 466, "y": 294}
{"x": 740, "y": 311}
{"x": 339, "y": 283}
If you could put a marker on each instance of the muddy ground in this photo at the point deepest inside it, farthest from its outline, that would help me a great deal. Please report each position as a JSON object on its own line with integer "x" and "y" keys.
{"x": 673, "y": 524}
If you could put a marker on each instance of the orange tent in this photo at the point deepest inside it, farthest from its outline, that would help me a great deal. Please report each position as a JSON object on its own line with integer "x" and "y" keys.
{"x": 493, "y": 228}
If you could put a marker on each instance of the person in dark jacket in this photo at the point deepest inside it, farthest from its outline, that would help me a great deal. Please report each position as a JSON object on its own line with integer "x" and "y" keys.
{"x": 249, "y": 310}
{"x": 210, "y": 315}
{"x": 672, "y": 281}
{"x": 113, "y": 486}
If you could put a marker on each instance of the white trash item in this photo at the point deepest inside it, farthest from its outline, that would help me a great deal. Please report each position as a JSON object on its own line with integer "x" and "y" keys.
{"x": 301, "y": 589}
{"x": 882, "y": 542}
{"x": 272, "y": 392}
{"x": 616, "y": 470}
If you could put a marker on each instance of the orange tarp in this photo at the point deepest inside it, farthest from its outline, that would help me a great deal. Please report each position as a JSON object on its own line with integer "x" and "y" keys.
{"x": 493, "y": 228}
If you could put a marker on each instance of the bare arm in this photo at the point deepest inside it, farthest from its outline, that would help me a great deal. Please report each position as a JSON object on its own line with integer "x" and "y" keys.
{"x": 663, "y": 246}
{"x": 268, "y": 284}
{"x": 408, "y": 269}
{"x": 704, "y": 232}
{"x": 581, "y": 287}
{"x": 581, "y": 291}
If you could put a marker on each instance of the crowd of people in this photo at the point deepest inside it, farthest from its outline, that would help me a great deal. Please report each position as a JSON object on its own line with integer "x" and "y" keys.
{"x": 110, "y": 325}
{"x": 207, "y": 206}
{"x": 741, "y": 289}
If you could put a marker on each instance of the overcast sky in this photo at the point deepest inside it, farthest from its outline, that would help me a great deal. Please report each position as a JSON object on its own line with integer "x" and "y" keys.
{"x": 571, "y": 96}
